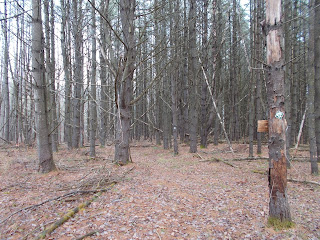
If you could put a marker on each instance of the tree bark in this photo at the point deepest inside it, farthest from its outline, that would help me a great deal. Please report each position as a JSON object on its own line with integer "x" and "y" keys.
{"x": 66, "y": 70}
{"x": 78, "y": 72}
{"x": 55, "y": 140}
{"x": 93, "y": 107}
{"x": 278, "y": 205}
{"x": 193, "y": 74}
{"x": 6, "y": 99}
{"x": 124, "y": 86}
{"x": 174, "y": 77}
{"x": 310, "y": 95}
{"x": 45, "y": 157}
{"x": 317, "y": 73}
{"x": 204, "y": 92}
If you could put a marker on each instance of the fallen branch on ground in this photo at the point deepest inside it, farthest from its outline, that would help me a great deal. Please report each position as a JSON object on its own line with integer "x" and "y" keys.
{"x": 289, "y": 179}
{"x": 58, "y": 198}
{"x": 66, "y": 217}
{"x": 87, "y": 235}
{"x": 249, "y": 159}
{"x": 218, "y": 160}
{"x": 303, "y": 181}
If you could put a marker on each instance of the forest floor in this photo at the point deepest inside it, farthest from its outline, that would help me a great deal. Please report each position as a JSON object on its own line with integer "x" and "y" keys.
{"x": 158, "y": 196}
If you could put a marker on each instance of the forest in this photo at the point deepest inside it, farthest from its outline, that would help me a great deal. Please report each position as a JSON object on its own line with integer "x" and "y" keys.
{"x": 159, "y": 119}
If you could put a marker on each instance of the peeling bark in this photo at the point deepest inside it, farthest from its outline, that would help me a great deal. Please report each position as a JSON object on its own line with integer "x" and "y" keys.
{"x": 278, "y": 205}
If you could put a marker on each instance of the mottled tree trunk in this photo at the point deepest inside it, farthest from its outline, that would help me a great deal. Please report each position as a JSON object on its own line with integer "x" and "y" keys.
{"x": 45, "y": 159}
{"x": 278, "y": 205}
{"x": 124, "y": 86}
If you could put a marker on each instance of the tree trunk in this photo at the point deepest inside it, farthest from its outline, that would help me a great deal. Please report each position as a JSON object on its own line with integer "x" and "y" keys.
{"x": 124, "y": 86}
{"x": 93, "y": 108}
{"x": 310, "y": 95}
{"x": 78, "y": 72}
{"x": 174, "y": 77}
{"x": 317, "y": 73}
{"x": 66, "y": 70}
{"x": 45, "y": 158}
{"x": 55, "y": 123}
{"x": 278, "y": 205}
{"x": 204, "y": 91}
{"x": 193, "y": 74}
{"x": 6, "y": 100}
{"x": 288, "y": 57}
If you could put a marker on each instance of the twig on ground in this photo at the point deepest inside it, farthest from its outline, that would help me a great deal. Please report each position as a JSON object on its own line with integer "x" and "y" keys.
{"x": 200, "y": 156}
{"x": 158, "y": 235}
{"x": 87, "y": 235}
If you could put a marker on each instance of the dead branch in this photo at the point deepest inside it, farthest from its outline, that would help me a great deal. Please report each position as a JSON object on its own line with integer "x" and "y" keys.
{"x": 58, "y": 198}
{"x": 249, "y": 159}
{"x": 66, "y": 217}
{"x": 218, "y": 160}
{"x": 87, "y": 235}
{"x": 304, "y": 181}
{"x": 289, "y": 179}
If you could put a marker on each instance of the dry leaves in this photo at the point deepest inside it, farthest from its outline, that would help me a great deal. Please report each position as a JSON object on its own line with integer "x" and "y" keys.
{"x": 164, "y": 197}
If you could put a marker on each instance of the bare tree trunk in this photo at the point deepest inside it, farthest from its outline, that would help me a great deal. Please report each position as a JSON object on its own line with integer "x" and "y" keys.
{"x": 184, "y": 129}
{"x": 45, "y": 158}
{"x": 124, "y": 86}
{"x": 204, "y": 92}
{"x": 55, "y": 141}
{"x": 174, "y": 77}
{"x": 288, "y": 76}
{"x": 93, "y": 107}
{"x": 310, "y": 96}
{"x": 78, "y": 72}
{"x": 193, "y": 74}
{"x": 6, "y": 99}
{"x": 317, "y": 73}
{"x": 66, "y": 70}
{"x": 104, "y": 31}
{"x": 278, "y": 205}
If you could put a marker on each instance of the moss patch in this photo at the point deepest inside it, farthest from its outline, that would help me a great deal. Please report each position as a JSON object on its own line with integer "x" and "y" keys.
{"x": 277, "y": 224}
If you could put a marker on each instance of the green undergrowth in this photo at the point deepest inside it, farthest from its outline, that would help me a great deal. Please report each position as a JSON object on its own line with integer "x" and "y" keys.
{"x": 277, "y": 224}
